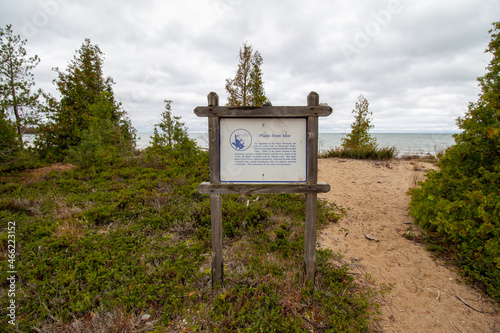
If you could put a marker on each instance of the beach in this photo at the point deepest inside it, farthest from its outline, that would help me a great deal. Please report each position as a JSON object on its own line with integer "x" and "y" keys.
{"x": 417, "y": 293}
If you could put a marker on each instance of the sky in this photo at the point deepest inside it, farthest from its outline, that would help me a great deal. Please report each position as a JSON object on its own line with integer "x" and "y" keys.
{"x": 416, "y": 62}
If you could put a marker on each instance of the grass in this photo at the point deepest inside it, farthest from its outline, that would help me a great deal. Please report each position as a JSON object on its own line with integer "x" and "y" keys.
{"x": 126, "y": 248}
{"x": 375, "y": 153}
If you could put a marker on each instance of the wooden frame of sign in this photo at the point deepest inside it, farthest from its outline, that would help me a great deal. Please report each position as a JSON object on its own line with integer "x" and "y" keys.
{"x": 303, "y": 162}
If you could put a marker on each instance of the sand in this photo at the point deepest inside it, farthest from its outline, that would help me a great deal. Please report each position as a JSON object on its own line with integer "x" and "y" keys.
{"x": 420, "y": 294}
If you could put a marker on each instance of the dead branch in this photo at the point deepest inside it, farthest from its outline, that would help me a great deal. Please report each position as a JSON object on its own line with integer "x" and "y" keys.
{"x": 480, "y": 311}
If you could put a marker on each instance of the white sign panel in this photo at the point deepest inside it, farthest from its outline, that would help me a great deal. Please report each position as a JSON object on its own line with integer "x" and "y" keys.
{"x": 263, "y": 150}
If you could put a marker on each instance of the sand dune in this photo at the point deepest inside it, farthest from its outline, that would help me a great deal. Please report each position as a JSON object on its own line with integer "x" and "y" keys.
{"x": 423, "y": 295}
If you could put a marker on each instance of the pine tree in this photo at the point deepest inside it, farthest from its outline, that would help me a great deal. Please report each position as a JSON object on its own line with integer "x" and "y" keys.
{"x": 82, "y": 87}
{"x": 359, "y": 136}
{"x": 257, "y": 93}
{"x": 103, "y": 142}
{"x": 170, "y": 140}
{"x": 173, "y": 132}
{"x": 247, "y": 87}
{"x": 16, "y": 81}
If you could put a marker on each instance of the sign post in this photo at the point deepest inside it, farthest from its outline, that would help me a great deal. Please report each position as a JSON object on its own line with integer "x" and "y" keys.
{"x": 263, "y": 149}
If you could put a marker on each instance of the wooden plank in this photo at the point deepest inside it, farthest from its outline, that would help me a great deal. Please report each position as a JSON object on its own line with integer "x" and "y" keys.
{"x": 208, "y": 188}
{"x": 263, "y": 111}
{"x": 313, "y": 99}
{"x": 214, "y": 149}
{"x": 310, "y": 237}
{"x": 312, "y": 140}
{"x": 213, "y": 140}
{"x": 216, "y": 224}
{"x": 213, "y": 99}
{"x": 312, "y": 150}
{"x": 215, "y": 199}
{"x": 311, "y": 198}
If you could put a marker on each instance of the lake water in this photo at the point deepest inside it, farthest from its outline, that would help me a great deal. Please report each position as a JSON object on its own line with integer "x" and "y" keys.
{"x": 405, "y": 143}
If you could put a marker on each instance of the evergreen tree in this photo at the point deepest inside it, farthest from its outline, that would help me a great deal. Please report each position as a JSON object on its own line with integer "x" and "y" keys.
{"x": 103, "y": 141}
{"x": 247, "y": 87}
{"x": 170, "y": 132}
{"x": 16, "y": 81}
{"x": 84, "y": 92}
{"x": 170, "y": 139}
{"x": 359, "y": 136}
{"x": 460, "y": 202}
{"x": 10, "y": 146}
{"x": 257, "y": 93}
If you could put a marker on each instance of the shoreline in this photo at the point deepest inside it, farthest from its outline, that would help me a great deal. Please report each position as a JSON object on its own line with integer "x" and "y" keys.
{"x": 412, "y": 144}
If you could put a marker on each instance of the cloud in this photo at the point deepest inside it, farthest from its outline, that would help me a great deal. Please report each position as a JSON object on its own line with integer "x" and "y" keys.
{"x": 415, "y": 61}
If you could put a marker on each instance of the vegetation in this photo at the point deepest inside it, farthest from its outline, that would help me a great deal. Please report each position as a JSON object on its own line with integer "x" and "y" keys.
{"x": 18, "y": 104}
{"x": 170, "y": 135}
{"x": 374, "y": 153}
{"x": 10, "y": 146}
{"x": 16, "y": 81}
{"x": 360, "y": 136}
{"x": 128, "y": 245}
{"x": 459, "y": 204}
{"x": 247, "y": 87}
{"x": 87, "y": 123}
{"x": 359, "y": 144}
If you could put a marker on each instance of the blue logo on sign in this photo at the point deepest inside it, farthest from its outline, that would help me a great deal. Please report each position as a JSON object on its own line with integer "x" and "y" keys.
{"x": 240, "y": 139}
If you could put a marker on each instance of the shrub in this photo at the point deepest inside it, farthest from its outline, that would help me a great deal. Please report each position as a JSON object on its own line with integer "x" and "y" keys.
{"x": 137, "y": 239}
{"x": 460, "y": 204}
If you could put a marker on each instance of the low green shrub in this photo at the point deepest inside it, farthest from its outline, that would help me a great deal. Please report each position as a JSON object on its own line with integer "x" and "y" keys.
{"x": 459, "y": 205}
{"x": 461, "y": 213}
{"x": 135, "y": 237}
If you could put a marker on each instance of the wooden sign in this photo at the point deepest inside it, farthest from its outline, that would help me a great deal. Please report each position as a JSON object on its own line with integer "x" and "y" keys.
{"x": 263, "y": 149}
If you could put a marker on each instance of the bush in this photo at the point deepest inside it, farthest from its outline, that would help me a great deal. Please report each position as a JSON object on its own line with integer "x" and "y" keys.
{"x": 460, "y": 204}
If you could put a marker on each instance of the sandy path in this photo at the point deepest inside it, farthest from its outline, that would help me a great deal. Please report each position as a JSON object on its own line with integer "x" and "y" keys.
{"x": 423, "y": 291}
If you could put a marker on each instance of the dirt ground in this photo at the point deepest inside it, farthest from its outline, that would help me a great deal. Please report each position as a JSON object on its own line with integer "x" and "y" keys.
{"x": 421, "y": 294}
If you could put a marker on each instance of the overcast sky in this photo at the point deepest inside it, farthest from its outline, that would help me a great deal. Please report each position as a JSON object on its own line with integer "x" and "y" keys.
{"x": 415, "y": 61}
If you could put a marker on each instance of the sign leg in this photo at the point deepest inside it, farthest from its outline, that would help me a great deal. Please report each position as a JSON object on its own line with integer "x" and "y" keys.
{"x": 217, "y": 261}
{"x": 310, "y": 237}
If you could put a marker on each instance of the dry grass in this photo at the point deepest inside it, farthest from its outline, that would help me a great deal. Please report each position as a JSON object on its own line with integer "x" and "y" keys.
{"x": 36, "y": 175}
{"x": 115, "y": 321}
{"x": 45, "y": 170}
{"x": 74, "y": 228}
{"x": 420, "y": 158}
{"x": 32, "y": 206}
{"x": 64, "y": 211}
